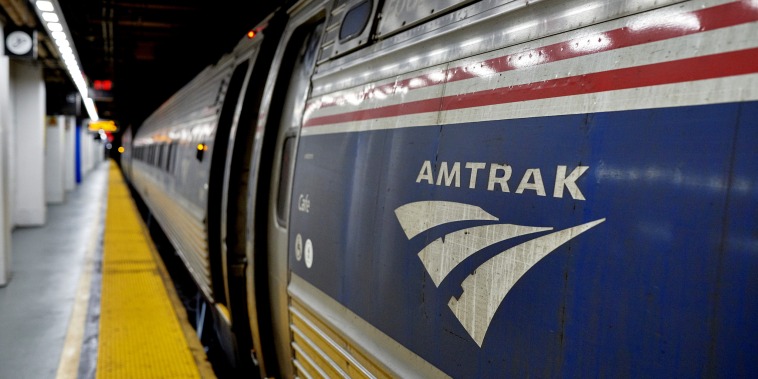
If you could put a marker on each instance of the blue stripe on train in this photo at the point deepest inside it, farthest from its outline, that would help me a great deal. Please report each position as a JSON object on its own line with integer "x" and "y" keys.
{"x": 667, "y": 285}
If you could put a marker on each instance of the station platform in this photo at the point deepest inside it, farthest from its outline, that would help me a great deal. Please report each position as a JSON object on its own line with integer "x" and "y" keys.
{"x": 89, "y": 295}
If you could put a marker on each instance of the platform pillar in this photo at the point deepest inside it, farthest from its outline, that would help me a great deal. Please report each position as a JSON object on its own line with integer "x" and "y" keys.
{"x": 84, "y": 138}
{"x": 28, "y": 96}
{"x": 5, "y": 126}
{"x": 69, "y": 153}
{"x": 55, "y": 164}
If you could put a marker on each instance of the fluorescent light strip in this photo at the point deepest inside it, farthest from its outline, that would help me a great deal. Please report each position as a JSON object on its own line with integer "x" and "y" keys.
{"x": 45, "y": 6}
{"x": 47, "y": 11}
{"x": 54, "y": 27}
{"x": 50, "y": 17}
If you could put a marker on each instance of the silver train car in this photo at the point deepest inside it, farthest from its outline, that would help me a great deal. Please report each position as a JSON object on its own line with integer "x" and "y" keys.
{"x": 457, "y": 188}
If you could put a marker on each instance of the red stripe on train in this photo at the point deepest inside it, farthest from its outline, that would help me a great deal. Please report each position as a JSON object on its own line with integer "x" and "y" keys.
{"x": 700, "y": 68}
{"x": 716, "y": 17}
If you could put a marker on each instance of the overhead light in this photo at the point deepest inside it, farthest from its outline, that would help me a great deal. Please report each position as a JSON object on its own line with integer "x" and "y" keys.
{"x": 55, "y": 27}
{"x": 49, "y": 11}
{"x": 50, "y": 17}
{"x": 45, "y": 6}
{"x": 90, "y": 105}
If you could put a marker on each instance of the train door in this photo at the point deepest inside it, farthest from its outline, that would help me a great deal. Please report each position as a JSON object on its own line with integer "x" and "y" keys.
{"x": 295, "y": 62}
{"x": 227, "y": 323}
{"x": 281, "y": 183}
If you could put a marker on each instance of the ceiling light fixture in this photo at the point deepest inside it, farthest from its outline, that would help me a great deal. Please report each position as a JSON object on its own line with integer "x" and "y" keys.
{"x": 45, "y": 6}
{"x": 50, "y": 17}
{"x": 54, "y": 27}
{"x": 58, "y": 30}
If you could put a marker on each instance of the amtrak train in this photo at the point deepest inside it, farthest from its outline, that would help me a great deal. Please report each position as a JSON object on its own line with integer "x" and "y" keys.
{"x": 460, "y": 188}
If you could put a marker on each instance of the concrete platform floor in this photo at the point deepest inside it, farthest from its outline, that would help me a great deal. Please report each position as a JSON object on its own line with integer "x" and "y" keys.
{"x": 47, "y": 262}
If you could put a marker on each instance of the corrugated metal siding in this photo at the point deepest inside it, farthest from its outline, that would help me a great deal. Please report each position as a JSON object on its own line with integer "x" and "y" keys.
{"x": 187, "y": 233}
{"x": 322, "y": 352}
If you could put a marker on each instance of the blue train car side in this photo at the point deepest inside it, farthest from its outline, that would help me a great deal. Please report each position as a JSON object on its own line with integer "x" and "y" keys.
{"x": 473, "y": 189}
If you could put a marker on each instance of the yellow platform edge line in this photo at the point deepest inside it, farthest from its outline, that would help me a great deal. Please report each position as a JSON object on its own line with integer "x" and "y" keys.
{"x": 133, "y": 268}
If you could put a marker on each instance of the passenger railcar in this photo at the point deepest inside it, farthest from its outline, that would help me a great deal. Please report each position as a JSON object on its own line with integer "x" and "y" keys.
{"x": 472, "y": 188}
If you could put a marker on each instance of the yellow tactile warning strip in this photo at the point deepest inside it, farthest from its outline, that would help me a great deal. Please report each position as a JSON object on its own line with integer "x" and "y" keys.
{"x": 141, "y": 335}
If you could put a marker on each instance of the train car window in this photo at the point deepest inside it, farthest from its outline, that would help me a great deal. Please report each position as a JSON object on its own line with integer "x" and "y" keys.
{"x": 349, "y": 27}
{"x": 168, "y": 156}
{"x": 399, "y": 15}
{"x": 159, "y": 161}
{"x": 173, "y": 160}
{"x": 355, "y": 20}
{"x": 288, "y": 165}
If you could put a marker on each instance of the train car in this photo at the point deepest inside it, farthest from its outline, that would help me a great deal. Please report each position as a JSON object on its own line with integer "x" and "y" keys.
{"x": 457, "y": 188}
{"x": 180, "y": 156}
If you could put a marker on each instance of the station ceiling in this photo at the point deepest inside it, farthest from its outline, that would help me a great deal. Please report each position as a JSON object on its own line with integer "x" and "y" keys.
{"x": 147, "y": 49}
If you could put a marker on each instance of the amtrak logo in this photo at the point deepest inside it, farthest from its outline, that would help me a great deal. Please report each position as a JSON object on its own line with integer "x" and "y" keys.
{"x": 485, "y": 289}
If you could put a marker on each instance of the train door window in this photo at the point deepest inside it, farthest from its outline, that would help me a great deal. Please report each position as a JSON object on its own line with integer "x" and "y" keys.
{"x": 349, "y": 27}
{"x": 355, "y": 20}
{"x": 159, "y": 161}
{"x": 293, "y": 105}
{"x": 285, "y": 179}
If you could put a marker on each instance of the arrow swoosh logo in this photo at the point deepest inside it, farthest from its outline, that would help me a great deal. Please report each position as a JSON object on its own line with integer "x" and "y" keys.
{"x": 485, "y": 289}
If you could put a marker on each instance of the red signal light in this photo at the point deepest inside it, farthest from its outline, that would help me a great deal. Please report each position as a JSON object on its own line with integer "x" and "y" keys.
{"x": 102, "y": 85}
{"x": 251, "y": 34}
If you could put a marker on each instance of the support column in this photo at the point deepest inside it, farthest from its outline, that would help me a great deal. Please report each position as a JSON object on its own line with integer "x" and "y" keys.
{"x": 84, "y": 143}
{"x": 69, "y": 153}
{"x": 55, "y": 164}
{"x": 28, "y": 98}
{"x": 5, "y": 143}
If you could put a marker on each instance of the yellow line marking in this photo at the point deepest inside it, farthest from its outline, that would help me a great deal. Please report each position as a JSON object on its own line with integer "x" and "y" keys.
{"x": 140, "y": 332}
{"x": 68, "y": 366}
{"x": 198, "y": 351}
